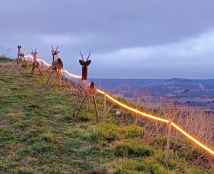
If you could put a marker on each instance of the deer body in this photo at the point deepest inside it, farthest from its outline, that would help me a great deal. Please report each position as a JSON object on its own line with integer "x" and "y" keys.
{"x": 20, "y": 55}
{"x": 57, "y": 65}
{"x": 35, "y": 64}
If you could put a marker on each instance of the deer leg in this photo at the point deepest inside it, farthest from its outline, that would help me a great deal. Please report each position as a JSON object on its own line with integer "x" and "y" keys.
{"x": 58, "y": 77}
{"x": 48, "y": 71}
{"x": 81, "y": 104}
{"x": 88, "y": 103}
{"x": 33, "y": 68}
{"x": 49, "y": 76}
{"x": 40, "y": 72}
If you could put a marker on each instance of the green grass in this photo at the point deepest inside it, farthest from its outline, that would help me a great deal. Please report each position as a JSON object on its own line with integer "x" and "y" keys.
{"x": 39, "y": 134}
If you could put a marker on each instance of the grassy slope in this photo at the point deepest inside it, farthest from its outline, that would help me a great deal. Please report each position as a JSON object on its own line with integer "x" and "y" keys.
{"x": 38, "y": 134}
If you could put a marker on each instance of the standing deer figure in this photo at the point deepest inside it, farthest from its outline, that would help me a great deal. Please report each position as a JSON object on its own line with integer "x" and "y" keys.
{"x": 20, "y": 55}
{"x": 54, "y": 52}
{"x": 57, "y": 65}
{"x": 35, "y": 64}
{"x": 85, "y": 63}
{"x": 90, "y": 92}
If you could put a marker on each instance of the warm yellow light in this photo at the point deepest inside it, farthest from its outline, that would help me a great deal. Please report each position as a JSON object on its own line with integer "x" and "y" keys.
{"x": 132, "y": 109}
{"x": 178, "y": 128}
{"x": 194, "y": 140}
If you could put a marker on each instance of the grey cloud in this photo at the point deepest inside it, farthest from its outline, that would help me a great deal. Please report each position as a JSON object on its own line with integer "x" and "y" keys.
{"x": 104, "y": 27}
{"x": 178, "y": 59}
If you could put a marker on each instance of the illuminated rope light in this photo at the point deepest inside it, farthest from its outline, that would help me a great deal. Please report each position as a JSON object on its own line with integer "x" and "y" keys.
{"x": 72, "y": 75}
{"x": 178, "y": 128}
{"x": 132, "y": 109}
{"x": 203, "y": 146}
{"x": 43, "y": 62}
{"x": 175, "y": 126}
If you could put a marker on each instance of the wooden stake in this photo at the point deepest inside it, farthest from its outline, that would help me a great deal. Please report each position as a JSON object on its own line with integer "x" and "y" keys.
{"x": 168, "y": 140}
{"x": 97, "y": 114}
{"x": 95, "y": 106}
{"x": 104, "y": 106}
{"x": 77, "y": 114}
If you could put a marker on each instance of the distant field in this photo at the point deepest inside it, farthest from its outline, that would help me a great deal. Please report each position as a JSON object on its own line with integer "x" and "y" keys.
{"x": 197, "y": 93}
{"x": 4, "y": 59}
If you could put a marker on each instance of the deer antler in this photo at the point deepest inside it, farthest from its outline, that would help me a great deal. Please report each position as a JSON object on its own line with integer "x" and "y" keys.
{"x": 33, "y": 52}
{"x": 89, "y": 54}
{"x": 57, "y": 49}
{"x": 52, "y": 49}
{"x": 81, "y": 55}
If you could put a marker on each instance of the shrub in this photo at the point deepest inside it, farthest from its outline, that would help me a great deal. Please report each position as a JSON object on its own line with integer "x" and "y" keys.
{"x": 109, "y": 131}
{"x": 132, "y": 149}
{"x": 127, "y": 166}
{"x": 159, "y": 155}
{"x": 160, "y": 142}
{"x": 131, "y": 131}
{"x": 153, "y": 167}
{"x": 193, "y": 170}
{"x": 36, "y": 149}
{"x": 48, "y": 137}
{"x": 7, "y": 136}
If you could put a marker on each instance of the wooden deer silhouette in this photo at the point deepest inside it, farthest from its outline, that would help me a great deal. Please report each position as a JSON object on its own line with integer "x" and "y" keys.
{"x": 85, "y": 63}
{"x": 55, "y": 52}
{"x": 90, "y": 92}
{"x": 57, "y": 65}
{"x": 20, "y": 55}
{"x": 35, "y": 64}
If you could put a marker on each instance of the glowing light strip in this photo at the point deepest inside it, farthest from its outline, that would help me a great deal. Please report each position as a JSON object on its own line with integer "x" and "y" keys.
{"x": 178, "y": 128}
{"x": 132, "y": 109}
{"x": 203, "y": 146}
{"x": 72, "y": 75}
{"x": 175, "y": 126}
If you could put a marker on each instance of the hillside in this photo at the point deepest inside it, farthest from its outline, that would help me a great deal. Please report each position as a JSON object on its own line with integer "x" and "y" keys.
{"x": 39, "y": 134}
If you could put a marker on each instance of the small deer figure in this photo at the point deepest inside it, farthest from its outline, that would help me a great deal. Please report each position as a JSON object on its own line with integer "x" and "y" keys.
{"x": 35, "y": 64}
{"x": 85, "y": 63}
{"x": 20, "y": 55}
{"x": 57, "y": 65}
{"x": 89, "y": 92}
{"x": 54, "y": 52}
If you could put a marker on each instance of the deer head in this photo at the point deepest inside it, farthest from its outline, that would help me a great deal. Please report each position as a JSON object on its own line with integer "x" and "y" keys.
{"x": 54, "y": 52}
{"x": 34, "y": 54}
{"x": 85, "y": 61}
{"x": 19, "y": 53}
{"x": 19, "y": 47}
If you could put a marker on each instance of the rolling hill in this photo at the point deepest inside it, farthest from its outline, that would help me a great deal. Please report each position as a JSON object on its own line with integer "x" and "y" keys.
{"x": 40, "y": 134}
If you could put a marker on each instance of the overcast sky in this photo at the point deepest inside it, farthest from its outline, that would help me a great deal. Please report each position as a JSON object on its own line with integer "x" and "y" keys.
{"x": 127, "y": 38}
